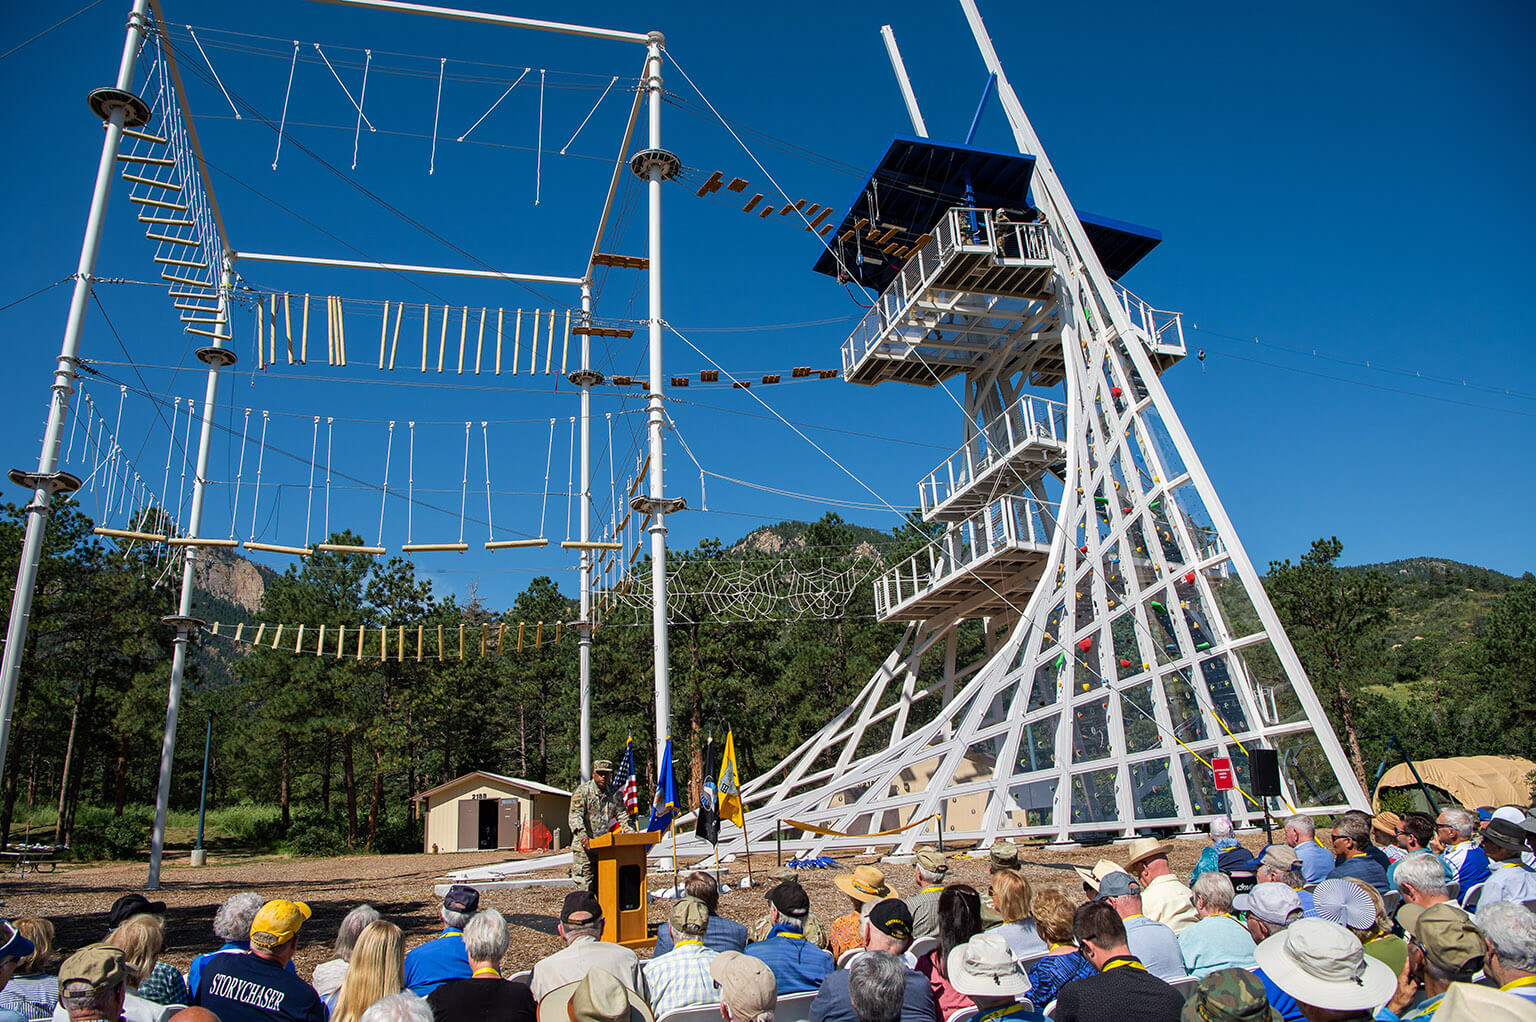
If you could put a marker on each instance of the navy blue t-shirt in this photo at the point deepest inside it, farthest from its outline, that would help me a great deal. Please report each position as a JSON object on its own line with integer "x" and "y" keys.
{"x": 250, "y": 988}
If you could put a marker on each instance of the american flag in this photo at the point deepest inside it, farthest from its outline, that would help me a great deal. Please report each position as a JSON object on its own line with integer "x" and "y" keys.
{"x": 624, "y": 779}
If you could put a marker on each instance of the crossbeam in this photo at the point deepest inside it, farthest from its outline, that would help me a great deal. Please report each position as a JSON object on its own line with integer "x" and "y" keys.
{"x": 441, "y": 271}
{"x": 505, "y": 20}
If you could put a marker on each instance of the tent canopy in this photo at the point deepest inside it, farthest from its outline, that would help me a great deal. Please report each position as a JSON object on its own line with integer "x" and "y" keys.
{"x": 1472, "y": 780}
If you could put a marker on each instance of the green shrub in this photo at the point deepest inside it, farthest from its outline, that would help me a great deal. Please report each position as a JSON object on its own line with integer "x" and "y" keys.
{"x": 398, "y": 836}
{"x": 100, "y": 835}
{"x": 315, "y": 833}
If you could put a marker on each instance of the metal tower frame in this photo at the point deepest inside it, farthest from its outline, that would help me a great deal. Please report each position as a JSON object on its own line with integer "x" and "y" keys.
{"x": 1126, "y": 639}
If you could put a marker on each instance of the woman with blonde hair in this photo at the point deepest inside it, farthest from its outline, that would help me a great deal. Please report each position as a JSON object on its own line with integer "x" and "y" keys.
{"x": 1063, "y": 962}
{"x": 33, "y": 991}
{"x": 142, "y": 939}
{"x": 1010, "y": 896}
{"x": 376, "y": 969}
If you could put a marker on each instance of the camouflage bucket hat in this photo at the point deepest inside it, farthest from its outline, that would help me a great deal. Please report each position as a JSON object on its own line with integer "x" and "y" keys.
{"x": 1229, "y": 995}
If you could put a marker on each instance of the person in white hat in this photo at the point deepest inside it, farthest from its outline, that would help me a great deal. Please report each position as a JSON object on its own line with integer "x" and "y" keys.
{"x": 1323, "y": 966}
{"x": 1164, "y": 897}
{"x": 984, "y": 970}
{"x": 598, "y": 997}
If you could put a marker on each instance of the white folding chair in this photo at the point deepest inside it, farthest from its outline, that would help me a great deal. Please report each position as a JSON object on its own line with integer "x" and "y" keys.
{"x": 1185, "y": 985}
{"x": 848, "y": 956}
{"x": 522, "y": 977}
{"x": 924, "y": 946}
{"x": 694, "y": 1013}
{"x": 958, "y": 1015}
{"x": 794, "y": 1007}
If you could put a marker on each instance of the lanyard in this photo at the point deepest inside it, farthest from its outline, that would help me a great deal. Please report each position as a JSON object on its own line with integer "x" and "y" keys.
{"x": 696, "y": 943}
{"x": 1003, "y": 1012}
{"x": 486, "y": 970}
{"x": 1123, "y": 962}
{"x": 934, "y": 890}
{"x": 1523, "y": 981}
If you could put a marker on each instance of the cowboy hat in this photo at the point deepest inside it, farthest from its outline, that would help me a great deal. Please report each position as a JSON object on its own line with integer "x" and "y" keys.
{"x": 865, "y": 883}
{"x": 1145, "y": 848}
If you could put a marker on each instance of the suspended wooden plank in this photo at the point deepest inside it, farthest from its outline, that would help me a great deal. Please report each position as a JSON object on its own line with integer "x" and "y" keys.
{"x": 624, "y": 262}
{"x": 602, "y": 331}
{"x": 712, "y": 185}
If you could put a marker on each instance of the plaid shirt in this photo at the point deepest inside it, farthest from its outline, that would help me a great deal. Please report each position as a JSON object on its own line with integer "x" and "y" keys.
{"x": 680, "y": 978}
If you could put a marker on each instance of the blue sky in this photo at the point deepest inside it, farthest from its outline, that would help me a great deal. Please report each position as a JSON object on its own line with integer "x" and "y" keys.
{"x": 1346, "y": 184}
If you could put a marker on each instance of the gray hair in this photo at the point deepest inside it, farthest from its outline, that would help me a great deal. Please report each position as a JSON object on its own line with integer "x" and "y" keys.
{"x": 1425, "y": 872}
{"x": 401, "y": 1007}
{"x": 353, "y": 924}
{"x": 233, "y": 919}
{"x": 876, "y": 984}
{"x": 1356, "y": 827}
{"x": 574, "y": 930}
{"x": 1216, "y": 889}
{"x": 486, "y": 936}
{"x": 1302, "y": 823}
{"x": 454, "y": 920}
{"x": 1511, "y": 928}
{"x": 80, "y": 996}
{"x": 1221, "y": 827}
{"x": 1460, "y": 819}
{"x": 927, "y": 878}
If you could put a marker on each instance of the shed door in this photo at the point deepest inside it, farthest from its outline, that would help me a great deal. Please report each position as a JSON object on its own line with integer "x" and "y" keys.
{"x": 507, "y": 823}
{"x": 469, "y": 825}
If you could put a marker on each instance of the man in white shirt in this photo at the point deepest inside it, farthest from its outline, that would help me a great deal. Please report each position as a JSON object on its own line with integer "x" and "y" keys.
{"x": 581, "y": 927}
{"x": 1164, "y": 898}
{"x": 1509, "y": 879}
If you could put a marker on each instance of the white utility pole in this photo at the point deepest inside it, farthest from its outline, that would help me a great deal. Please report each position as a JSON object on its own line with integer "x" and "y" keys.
{"x": 215, "y": 357}
{"x": 120, "y": 109}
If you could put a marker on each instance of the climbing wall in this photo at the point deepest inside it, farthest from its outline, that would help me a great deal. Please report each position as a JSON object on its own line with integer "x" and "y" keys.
{"x": 1075, "y": 670}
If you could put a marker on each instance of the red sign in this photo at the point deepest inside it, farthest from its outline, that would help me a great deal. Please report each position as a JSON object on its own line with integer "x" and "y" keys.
{"x": 1224, "y": 778}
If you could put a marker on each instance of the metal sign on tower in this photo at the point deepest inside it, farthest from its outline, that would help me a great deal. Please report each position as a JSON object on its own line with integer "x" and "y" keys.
{"x": 1087, "y": 636}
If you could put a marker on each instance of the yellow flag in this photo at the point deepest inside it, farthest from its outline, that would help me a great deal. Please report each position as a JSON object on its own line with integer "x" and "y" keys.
{"x": 729, "y": 786}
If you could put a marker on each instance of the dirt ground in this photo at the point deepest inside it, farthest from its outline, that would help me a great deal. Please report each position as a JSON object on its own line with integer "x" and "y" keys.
{"x": 77, "y": 898}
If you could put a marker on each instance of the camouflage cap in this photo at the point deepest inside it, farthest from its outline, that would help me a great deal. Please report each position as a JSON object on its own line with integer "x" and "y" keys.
{"x": 602, "y": 766}
{"x": 1229, "y": 995}
{"x": 785, "y": 876}
{"x": 1003, "y": 855}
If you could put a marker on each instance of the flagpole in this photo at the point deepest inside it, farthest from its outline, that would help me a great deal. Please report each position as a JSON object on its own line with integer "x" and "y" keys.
{"x": 748, "y": 842}
{"x": 673, "y": 829}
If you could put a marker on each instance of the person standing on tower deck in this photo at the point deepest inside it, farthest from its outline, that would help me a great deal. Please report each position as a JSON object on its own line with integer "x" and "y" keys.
{"x": 596, "y": 809}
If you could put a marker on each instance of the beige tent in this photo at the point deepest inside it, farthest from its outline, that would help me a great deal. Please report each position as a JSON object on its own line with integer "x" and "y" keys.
{"x": 1471, "y": 780}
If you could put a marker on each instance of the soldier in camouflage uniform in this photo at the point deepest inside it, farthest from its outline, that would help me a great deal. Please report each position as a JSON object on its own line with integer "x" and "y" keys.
{"x": 595, "y": 808}
{"x": 1230, "y": 995}
{"x": 814, "y": 931}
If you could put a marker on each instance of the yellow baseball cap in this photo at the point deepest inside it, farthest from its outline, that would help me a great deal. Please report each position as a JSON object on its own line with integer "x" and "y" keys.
{"x": 278, "y": 922}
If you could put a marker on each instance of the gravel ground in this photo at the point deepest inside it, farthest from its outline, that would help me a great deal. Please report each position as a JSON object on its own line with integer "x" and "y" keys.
{"x": 77, "y": 898}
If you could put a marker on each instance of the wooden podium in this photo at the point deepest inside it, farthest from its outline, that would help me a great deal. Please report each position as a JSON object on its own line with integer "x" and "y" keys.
{"x": 619, "y": 860}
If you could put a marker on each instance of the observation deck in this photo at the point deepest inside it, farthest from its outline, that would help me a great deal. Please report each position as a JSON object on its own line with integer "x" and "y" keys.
{"x": 983, "y": 566}
{"x": 1162, "y": 330}
{"x": 974, "y": 286}
{"x": 1009, "y": 453}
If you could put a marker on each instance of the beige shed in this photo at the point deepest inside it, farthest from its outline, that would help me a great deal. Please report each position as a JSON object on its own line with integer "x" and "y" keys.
{"x": 482, "y": 810}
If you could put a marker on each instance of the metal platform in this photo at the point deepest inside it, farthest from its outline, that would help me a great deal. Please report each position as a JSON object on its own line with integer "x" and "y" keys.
{"x": 1007, "y": 455}
{"x": 984, "y": 566}
{"x": 980, "y": 284}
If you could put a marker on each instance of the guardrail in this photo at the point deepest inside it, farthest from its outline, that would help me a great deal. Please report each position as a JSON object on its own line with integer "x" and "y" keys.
{"x": 1164, "y": 329}
{"x": 1031, "y": 420}
{"x": 1013, "y": 521}
{"x": 962, "y": 229}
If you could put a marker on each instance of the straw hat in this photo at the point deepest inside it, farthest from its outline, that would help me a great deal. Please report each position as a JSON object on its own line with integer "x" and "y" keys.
{"x": 1145, "y": 848}
{"x": 865, "y": 883}
{"x": 599, "y": 997}
{"x": 984, "y": 967}
{"x": 1095, "y": 876}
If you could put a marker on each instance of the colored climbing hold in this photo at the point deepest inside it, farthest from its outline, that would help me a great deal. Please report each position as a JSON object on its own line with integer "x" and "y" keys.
{"x": 1202, "y": 645}
{"x": 1189, "y": 577}
{"x": 1085, "y": 644}
{"x": 1125, "y": 663}
{"x": 1061, "y": 661}
{"x": 1116, "y": 391}
{"x": 1159, "y": 607}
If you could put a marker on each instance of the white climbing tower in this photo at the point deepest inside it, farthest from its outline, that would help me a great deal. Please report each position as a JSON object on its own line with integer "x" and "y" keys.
{"x": 1087, "y": 633}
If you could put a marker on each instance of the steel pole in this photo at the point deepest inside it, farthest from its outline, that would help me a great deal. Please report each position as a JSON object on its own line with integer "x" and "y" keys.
{"x": 584, "y": 644}
{"x": 657, "y": 416}
{"x": 183, "y": 620}
{"x": 202, "y": 798}
{"x": 63, "y": 386}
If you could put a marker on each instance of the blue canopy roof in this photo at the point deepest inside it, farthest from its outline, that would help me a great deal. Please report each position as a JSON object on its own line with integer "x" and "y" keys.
{"x": 918, "y": 179}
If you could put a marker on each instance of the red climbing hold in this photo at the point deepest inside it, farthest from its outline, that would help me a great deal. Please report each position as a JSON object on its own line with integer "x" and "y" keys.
{"x": 1189, "y": 578}
{"x": 1085, "y": 644}
{"x": 1115, "y": 391}
{"x": 1125, "y": 663}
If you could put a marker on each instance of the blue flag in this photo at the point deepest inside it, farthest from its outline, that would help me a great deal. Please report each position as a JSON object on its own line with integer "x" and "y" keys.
{"x": 664, "y": 803}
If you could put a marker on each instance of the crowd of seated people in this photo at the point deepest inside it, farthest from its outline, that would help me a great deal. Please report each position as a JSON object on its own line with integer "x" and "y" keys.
{"x": 1442, "y": 926}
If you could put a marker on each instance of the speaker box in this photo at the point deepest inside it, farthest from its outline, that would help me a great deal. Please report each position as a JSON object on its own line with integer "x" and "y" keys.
{"x": 1264, "y": 766}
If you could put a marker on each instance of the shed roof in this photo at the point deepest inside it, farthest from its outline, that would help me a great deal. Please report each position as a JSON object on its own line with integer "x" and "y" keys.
{"x": 485, "y": 775}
